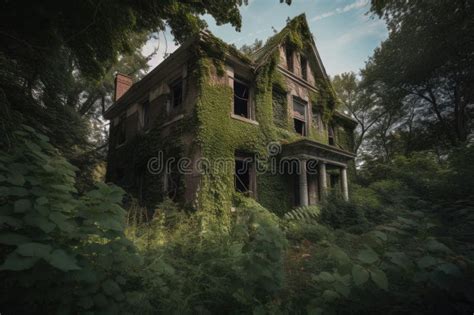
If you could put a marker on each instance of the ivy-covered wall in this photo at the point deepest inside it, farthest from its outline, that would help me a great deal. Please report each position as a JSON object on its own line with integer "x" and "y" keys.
{"x": 209, "y": 132}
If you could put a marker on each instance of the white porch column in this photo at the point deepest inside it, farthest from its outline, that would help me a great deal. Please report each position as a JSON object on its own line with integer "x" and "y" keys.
{"x": 322, "y": 179}
{"x": 344, "y": 186}
{"x": 303, "y": 182}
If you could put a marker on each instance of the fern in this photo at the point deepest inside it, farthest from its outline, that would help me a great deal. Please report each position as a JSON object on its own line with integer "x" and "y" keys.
{"x": 307, "y": 214}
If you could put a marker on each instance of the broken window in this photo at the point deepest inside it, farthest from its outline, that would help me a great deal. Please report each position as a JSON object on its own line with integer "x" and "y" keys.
{"x": 304, "y": 67}
{"x": 299, "y": 115}
{"x": 177, "y": 93}
{"x": 331, "y": 137}
{"x": 244, "y": 174}
{"x": 289, "y": 58}
{"x": 121, "y": 131}
{"x": 241, "y": 99}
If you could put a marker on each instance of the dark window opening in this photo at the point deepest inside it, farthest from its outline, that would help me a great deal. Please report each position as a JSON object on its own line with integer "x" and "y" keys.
{"x": 289, "y": 58}
{"x": 121, "y": 132}
{"x": 304, "y": 68}
{"x": 241, "y": 99}
{"x": 299, "y": 126}
{"x": 331, "y": 138}
{"x": 334, "y": 181}
{"x": 299, "y": 115}
{"x": 243, "y": 178}
{"x": 177, "y": 94}
{"x": 120, "y": 175}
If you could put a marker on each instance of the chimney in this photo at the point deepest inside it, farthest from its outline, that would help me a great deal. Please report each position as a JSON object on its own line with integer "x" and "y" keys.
{"x": 122, "y": 83}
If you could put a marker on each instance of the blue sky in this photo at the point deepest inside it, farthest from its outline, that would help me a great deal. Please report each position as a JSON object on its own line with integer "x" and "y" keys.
{"x": 345, "y": 35}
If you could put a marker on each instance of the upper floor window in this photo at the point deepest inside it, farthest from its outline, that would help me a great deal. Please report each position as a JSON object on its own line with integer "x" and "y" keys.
{"x": 121, "y": 131}
{"x": 299, "y": 115}
{"x": 304, "y": 67}
{"x": 177, "y": 93}
{"x": 242, "y": 99}
{"x": 331, "y": 136}
{"x": 289, "y": 58}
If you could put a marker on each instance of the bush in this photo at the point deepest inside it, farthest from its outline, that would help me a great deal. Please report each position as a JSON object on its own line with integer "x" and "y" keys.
{"x": 64, "y": 252}
{"x": 191, "y": 271}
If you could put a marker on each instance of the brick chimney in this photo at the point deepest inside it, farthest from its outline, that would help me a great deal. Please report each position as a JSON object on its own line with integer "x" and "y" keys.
{"x": 122, "y": 84}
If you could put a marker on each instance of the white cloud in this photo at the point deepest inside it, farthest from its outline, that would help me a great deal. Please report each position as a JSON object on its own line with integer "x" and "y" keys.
{"x": 353, "y": 6}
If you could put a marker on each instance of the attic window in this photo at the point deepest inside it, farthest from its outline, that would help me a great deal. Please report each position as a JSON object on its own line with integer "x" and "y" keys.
{"x": 331, "y": 138}
{"x": 177, "y": 93}
{"x": 241, "y": 99}
{"x": 289, "y": 58}
{"x": 299, "y": 115}
{"x": 304, "y": 68}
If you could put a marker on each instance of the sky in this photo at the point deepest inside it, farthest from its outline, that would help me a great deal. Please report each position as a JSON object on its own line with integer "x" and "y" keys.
{"x": 344, "y": 33}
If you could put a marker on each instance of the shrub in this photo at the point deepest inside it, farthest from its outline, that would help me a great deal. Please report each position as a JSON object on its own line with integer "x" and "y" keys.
{"x": 65, "y": 252}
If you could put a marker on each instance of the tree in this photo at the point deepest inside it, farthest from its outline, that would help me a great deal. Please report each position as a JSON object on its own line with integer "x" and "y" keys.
{"x": 359, "y": 102}
{"x": 429, "y": 58}
{"x": 250, "y": 49}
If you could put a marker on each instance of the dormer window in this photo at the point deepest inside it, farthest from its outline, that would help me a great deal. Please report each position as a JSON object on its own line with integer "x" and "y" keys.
{"x": 299, "y": 115}
{"x": 304, "y": 67}
{"x": 289, "y": 58}
{"x": 331, "y": 137}
{"x": 177, "y": 93}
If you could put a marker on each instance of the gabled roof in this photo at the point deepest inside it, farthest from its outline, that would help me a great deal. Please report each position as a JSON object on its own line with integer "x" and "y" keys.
{"x": 296, "y": 33}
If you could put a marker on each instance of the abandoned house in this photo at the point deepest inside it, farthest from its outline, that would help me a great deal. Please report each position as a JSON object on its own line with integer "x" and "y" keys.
{"x": 209, "y": 102}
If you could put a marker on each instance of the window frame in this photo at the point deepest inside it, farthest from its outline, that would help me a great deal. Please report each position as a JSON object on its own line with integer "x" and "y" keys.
{"x": 246, "y": 158}
{"x": 331, "y": 135}
{"x": 250, "y": 102}
{"x": 178, "y": 82}
{"x": 297, "y": 116}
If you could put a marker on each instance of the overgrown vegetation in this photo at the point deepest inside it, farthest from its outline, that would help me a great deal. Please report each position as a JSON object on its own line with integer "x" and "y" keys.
{"x": 402, "y": 244}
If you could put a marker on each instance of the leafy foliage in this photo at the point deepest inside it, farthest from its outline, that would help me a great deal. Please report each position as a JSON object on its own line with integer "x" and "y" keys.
{"x": 63, "y": 251}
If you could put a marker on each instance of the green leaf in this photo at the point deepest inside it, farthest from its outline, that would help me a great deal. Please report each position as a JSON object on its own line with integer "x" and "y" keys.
{"x": 22, "y": 205}
{"x": 400, "y": 259}
{"x": 41, "y": 201}
{"x": 326, "y": 276}
{"x": 381, "y": 235}
{"x": 40, "y": 222}
{"x": 111, "y": 288}
{"x": 342, "y": 289}
{"x": 360, "y": 275}
{"x": 330, "y": 295}
{"x": 368, "y": 256}
{"x": 7, "y": 220}
{"x": 86, "y": 302}
{"x": 379, "y": 278}
{"x": 34, "y": 250}
{"x": 15, "y": 262}
{"x": 13, "y": 239}
{"x": 61, "y": 260}
{"x": 16, "y": 179}
{"x": 435, "y": 246}
{"x": 427, "y": 261}
{"x": 450, "y": 269}
{"x": 17, "y": 191}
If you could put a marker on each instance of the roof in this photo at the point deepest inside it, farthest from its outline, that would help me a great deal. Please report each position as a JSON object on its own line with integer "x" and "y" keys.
{"x": 296, "y": 32}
